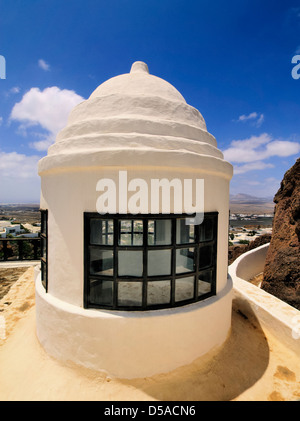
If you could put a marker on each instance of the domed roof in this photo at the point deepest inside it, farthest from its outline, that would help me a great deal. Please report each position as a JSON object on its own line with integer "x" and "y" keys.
{"x": 136, "y": 102}
{"x": 133, "y": 113}
{"x": 138, "y": 83}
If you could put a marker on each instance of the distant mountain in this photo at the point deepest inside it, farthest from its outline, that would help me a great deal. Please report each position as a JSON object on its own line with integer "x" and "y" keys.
{"x": 247, "y": 198}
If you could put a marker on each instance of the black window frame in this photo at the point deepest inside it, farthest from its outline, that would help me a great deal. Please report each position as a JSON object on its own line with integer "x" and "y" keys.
{"x": 197, "y": 245}
{"x": 44, "y": 239}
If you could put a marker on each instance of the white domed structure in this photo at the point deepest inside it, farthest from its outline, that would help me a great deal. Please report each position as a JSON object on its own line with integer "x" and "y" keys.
{"x": 129, "y": 285}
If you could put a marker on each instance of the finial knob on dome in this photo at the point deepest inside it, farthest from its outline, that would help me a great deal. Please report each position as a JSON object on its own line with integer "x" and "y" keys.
{"x": 139, "y": 66}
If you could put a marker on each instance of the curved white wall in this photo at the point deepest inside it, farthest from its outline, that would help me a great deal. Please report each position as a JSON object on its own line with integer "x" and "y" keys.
{"x": 132, "y": 344}
{"x": 279, "y": 318}
{"x": 250, "y": 264}
{"x": 67, "y": 195}
{"x": 141, "y": 124}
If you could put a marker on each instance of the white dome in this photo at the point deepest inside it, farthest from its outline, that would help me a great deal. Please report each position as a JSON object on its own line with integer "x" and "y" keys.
{"x": 133, "y": 113}
{"x": 138, "y": 83}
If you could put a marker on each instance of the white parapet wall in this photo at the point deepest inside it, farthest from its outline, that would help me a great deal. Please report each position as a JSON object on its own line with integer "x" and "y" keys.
{"x": 279, "y": 318}
{"x": 132, "y": 344}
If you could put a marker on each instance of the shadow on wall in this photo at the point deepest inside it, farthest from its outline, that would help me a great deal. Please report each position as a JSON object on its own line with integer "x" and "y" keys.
{"x": 239, "y": 364}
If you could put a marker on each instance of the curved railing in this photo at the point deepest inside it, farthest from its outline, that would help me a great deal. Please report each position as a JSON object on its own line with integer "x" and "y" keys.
{"x": 15, "y": 249}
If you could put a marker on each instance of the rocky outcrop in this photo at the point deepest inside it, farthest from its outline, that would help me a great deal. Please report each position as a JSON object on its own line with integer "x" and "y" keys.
{"x": 282, "y": 267}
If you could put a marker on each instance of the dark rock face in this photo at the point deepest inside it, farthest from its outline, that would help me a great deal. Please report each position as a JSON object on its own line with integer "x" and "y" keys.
{"x": 282, "y": 267}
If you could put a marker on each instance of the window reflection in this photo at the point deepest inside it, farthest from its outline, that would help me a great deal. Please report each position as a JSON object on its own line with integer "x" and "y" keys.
{"x": 101, "y": 231}
{"x": 184, "y": 288}
{"x": 159, "y": 232}
{"x": 168, "y": 265}
{"x": 131, "y": 233}
{"x": 130, "y": 293}
{"x": 101, "y": 262}
{"x": 159, "y": 262}
{"x": 185, "y": 260}
{"x": 184, "y": 233}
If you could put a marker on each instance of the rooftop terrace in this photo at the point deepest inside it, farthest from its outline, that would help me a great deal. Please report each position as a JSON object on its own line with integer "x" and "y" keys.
{"x": 259, "y": 361}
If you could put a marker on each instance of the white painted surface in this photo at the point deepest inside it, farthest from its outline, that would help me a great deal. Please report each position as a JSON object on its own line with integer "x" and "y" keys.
{"x": 142, "y": 124}
{"x": 132, "y": 344}
{"x": 279, "y": 318}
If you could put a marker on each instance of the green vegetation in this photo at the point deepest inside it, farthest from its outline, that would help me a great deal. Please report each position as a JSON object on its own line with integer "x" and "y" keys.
{"x": 244, "y": 241}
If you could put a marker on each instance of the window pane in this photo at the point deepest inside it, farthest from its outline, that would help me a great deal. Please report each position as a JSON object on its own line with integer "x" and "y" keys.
{"x": 101, "y": 231}
{"x": 43, "y": 222}
{"x": 184, "y": 288}
{"x": 131, "y": 233}
{"x": 101, "y": 262}
{"x": 185, "y": 260}
{"x": 130, "y": 263}
{"x": 137, "y": 239}
{"x": 130, "y": 293}
{"x": 44, "y": 247}
{"x": 206, "y": 256}
{"x": 184, "y": 233}
{"x": 204, "y": 282}
{"x": 159, "y": 232}
{"x": 44, "y": 273}
{"x": 158, "y": 292}
{"x": 101, "y": 292}
{"x": 206, "y": 230}
{"x": 159, "y": 262}
{"x": 125, "y": 240}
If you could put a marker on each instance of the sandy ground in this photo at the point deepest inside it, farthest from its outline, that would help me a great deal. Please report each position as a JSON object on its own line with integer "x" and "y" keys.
{"x": 8, "y": 276}
{"x": 251, "y": 366}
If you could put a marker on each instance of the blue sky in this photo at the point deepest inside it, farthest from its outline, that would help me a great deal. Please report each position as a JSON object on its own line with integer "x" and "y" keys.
{"x": 229, "y": 59}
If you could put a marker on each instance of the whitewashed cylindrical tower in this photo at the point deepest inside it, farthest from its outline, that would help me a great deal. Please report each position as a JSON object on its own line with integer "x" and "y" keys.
{"x": 135, "y": 200}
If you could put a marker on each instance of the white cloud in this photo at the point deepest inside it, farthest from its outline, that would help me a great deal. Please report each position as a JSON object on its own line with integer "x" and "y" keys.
{"x": 250, "y": 116}
{"x": 1, "y": 120}
{"x": 254, "y": 118}
{"x": 19, "y": 180}
{"x": 16, "y": 165}
{"x": 15, "y": 90}
{"x": 252, "y": 166}
{"x": 259, "y": 148}
{"x": 43, "y": 65}
{"x": 12, "y": 91}
{"x": 48, "y": 109}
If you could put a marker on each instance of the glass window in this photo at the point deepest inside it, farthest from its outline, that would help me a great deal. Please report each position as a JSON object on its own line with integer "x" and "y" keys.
{"x": 130, "y": 293}
{"x": 167, "y": 266}
{"x": 206, "y": 229}
{"x": 131, "y": 233}
{"x": 158, "y": 292}
{"x": 130, "y": 263}
{"x": 185, "y": 260}
{"x": 184, "y": 233}
{"x": 159, "y": 262}
{"x": 101, "y": 292}
{"x": 101, "y": 231}
{"x": 205, "y": 256}
{"x": 184, "y": 288}
{"x": 205, "y": 282}
{"x": 44, "y": 273}
{"x": 101, "y": 261}
{"x": 44, "y": 248}
{"x": 159, "y": 232}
